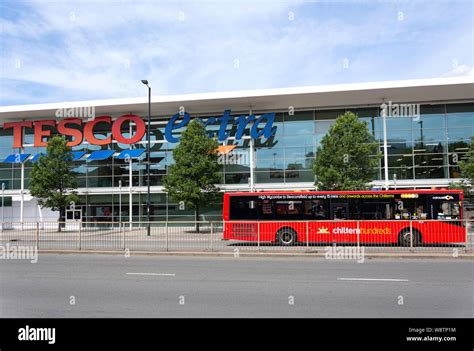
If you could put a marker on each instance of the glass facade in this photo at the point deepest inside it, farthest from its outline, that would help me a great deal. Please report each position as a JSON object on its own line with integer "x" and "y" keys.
{"x": 421, "y": 148}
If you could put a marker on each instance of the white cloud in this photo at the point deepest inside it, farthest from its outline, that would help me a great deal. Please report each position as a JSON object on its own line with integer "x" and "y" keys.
{"x": 103, "y": 49}
{"x": 460, "y": 71}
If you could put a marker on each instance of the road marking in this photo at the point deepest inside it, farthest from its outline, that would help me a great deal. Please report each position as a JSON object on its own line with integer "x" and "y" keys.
{"x": 161, "y": 274}
{"x": 375, "y": 279}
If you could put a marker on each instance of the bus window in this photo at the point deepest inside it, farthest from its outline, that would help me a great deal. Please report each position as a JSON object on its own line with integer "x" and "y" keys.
{"x": 289, "y": 209}
{"x": 420, "y": 212}
{"x": 243, "y": 207}
{"x": 448, "y": 210}
{"x": 377, "y": 210}
{"x": 267, "y": 209}
{"x": 339, "y": 211}
{"x": 316, "y": 209}
{"x": 409, "y": 209}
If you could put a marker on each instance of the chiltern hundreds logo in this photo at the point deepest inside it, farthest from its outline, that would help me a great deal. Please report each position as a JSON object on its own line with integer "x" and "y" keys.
{"x": 447, "y": 197}
{"x": 345, "y": 230}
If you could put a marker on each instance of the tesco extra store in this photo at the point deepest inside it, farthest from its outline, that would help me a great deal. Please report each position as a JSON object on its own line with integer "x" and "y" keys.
{"x": 269, "y": 140}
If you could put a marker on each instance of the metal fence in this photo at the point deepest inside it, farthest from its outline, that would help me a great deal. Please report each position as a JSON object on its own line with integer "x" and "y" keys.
{"x": 277, "y": 236}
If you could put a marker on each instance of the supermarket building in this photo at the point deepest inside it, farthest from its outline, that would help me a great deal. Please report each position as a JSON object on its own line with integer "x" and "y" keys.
{"x": 268, "y": 141}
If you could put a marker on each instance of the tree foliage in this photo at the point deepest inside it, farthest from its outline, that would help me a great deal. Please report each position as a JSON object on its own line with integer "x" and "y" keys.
{"x": 52, "y": 180}
{"x": 196, "y": 171}
{"x": 467, "y": 166}
{"x": 345, "y": 160}
{"x": 467, "y": 172}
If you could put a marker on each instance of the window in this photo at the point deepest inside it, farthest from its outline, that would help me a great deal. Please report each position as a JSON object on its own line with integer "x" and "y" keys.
{"x": 288, "y": 208}
{"x": 297, "y": 140}
{"x": 7, "y": 201}
{"x": 363, "y": 209}
{"x": 299, "y": 176}
{"x": 237, "y": 178}
{"x": 270, "y": 153}
{"x": 448, "y": 210}
{"x": 243, "y": 207}
{"x": 459, "y": 115}
{"x": 267, "y": 209}
{"x": 434, "y": 172}
{"x": 299, "y": 116}
{"x": 299, "y": 128}
{"x": 465, "y": 134}
{"x": 339, "y": 211}
{"x": 328, "y": 114}
{"x": 317, "y": 209}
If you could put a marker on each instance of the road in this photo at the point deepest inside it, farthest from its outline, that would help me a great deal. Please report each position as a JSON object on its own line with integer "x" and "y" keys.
{"x": 177, "y": 286}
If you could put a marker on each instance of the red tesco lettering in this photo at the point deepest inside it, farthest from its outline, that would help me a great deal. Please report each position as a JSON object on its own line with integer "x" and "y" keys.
{"x": 44, "y": 128}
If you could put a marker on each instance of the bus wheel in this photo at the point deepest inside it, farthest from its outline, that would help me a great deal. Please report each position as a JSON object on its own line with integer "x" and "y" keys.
{"x": 286, "y": 237}
{"x": 405, "y": 238}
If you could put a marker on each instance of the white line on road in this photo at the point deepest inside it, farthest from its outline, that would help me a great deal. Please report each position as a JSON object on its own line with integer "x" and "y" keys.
{"x": 375, "y": 279}
{"x": 162, "y": 274}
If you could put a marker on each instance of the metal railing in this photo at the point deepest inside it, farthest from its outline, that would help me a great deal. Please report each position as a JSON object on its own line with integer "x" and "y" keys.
{"x": 449, "y": 236}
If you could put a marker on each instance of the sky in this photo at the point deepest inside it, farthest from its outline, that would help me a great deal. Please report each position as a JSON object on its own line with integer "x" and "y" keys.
{"x": 57, "y": 51}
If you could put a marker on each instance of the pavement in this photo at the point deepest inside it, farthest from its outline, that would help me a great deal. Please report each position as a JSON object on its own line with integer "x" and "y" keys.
{"x": 75, "y": 285}
{"x": 181, "y": 239}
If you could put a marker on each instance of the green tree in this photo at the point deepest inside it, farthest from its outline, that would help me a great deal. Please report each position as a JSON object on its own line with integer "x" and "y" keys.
{"x": 52, "y": 180}
{"x": 467, "y": 172}
{"x": 193, "y": 177}
{"x": 345, "y": 160}
{"x": 467, "y": 166}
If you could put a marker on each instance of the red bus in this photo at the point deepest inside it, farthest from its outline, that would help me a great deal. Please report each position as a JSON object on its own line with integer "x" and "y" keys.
{"x": 398, "y": 217}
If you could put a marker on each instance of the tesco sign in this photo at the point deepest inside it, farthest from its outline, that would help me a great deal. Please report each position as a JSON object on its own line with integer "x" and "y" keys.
{"x": 63, "y": 127}
{"x": 78, "y": 129}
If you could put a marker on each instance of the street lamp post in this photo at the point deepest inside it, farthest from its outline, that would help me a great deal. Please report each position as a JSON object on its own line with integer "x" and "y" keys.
{"x": 3, "y": 203}
{"x": 120, "y": 202}
{"x": 144, "y": 81}
{"x": 252, "y": 156}
{"x": 385, "y": 146}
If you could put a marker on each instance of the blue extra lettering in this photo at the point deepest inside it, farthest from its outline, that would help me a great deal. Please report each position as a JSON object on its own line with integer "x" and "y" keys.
{"x": 171, "y": 126}
{"x": 242, "y": 122}
{"x": 266, "y": 131}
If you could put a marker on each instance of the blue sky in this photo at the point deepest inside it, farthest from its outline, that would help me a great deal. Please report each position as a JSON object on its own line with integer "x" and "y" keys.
{"x": 54, "y": 51}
